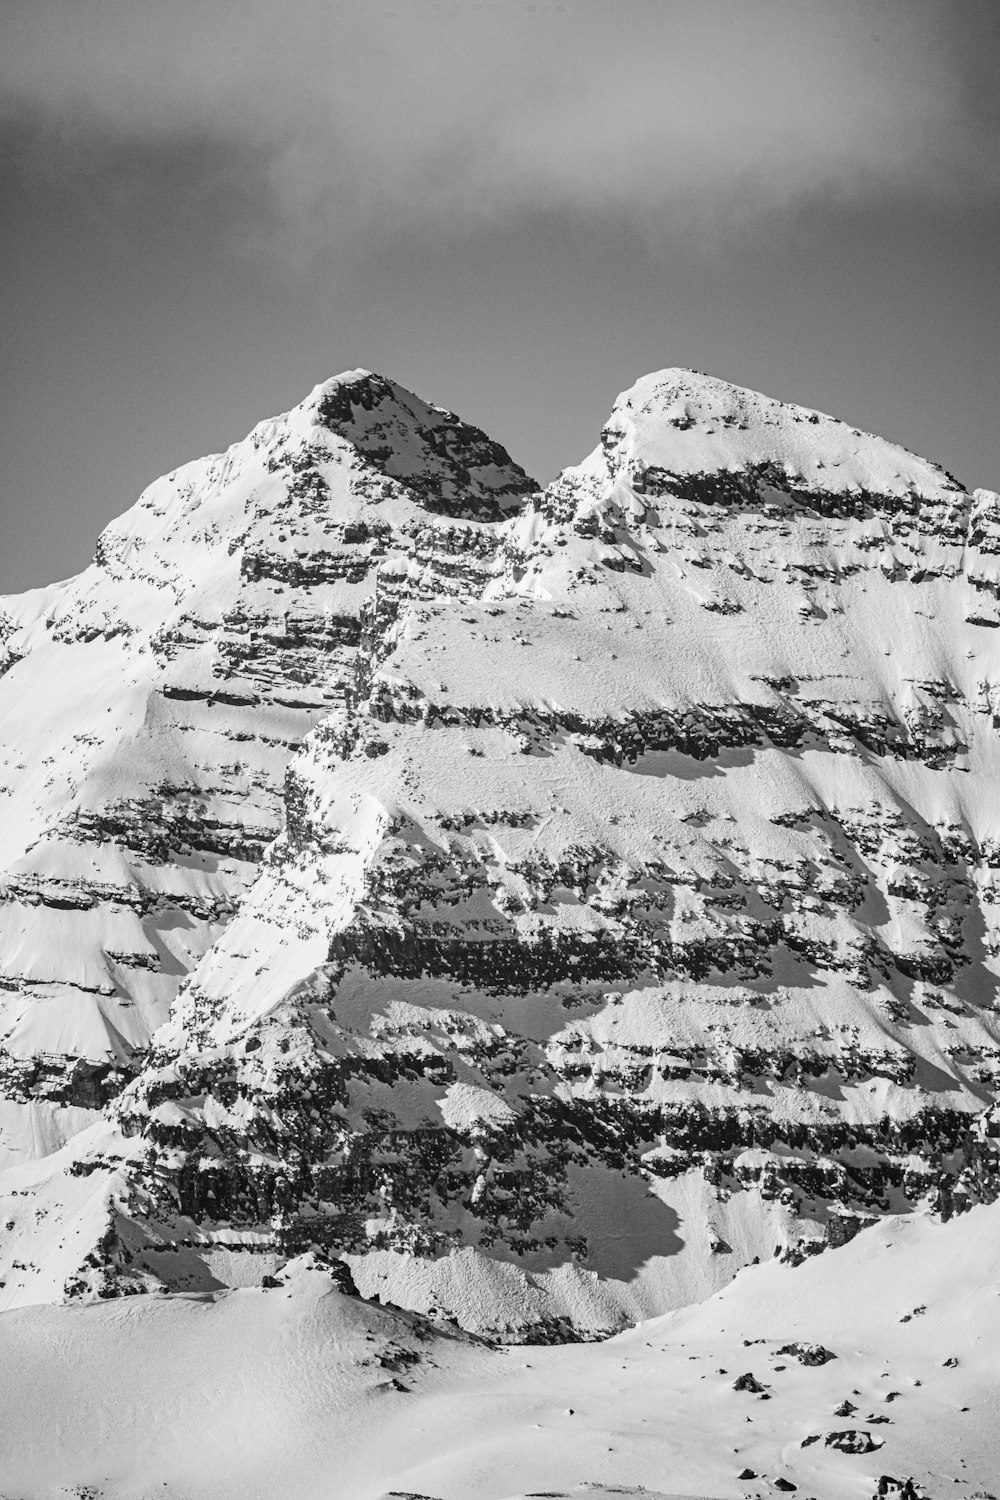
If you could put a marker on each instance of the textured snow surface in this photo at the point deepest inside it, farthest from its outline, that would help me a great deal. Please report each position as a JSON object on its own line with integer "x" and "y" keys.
{"x": 297, "y": 1390}
{"x": 543, "y": 903}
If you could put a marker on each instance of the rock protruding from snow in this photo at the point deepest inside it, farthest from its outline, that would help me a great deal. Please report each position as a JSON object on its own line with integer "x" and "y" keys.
{"x": 454, "y": 469}
{"x": 634, "y": 915}
{"x": 294, "y": 1389}
{"x": 681, "y": 433}
{"x": 149, "y": 707}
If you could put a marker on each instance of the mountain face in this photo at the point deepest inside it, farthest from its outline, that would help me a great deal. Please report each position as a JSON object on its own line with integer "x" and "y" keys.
{"x": 628, "y": 908}
{"x": 149, "y": 707}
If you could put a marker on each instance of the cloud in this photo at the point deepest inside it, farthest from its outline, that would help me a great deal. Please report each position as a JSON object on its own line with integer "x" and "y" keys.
{"x": 332, "y": 119}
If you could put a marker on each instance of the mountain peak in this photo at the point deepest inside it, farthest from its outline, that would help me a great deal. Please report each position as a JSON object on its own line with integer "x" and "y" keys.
{"x": 448, "y": 465}
{"x": 681, "y": 433}
{"x": 151, "y": 703}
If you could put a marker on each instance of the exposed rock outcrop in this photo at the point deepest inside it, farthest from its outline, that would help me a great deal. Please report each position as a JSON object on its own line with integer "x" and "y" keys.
{"x": 635, "y": 911}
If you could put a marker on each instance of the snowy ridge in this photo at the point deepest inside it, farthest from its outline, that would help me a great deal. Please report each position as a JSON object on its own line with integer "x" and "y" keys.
{"x": 683, "y": 431}
{"x": 148, "y": 709}
{"x": 635, "y": 908}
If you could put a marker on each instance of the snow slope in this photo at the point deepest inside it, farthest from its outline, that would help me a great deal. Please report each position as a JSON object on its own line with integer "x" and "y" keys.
{"x": 298, "y": 1390}
{"x": 148, "y": 709}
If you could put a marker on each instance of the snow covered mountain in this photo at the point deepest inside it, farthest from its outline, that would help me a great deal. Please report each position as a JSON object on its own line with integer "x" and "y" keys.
{"x": 148, "y": 709}
{"x": 628, "y": 912}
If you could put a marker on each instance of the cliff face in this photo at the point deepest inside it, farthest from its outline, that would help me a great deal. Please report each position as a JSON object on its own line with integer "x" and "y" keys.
{"x": 634, "y": 912}
{"x": 149, "y": 708}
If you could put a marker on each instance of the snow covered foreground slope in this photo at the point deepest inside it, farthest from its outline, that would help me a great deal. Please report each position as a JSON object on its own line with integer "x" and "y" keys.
{"x": 877, "y": 1361}
{"x": 635, "y": 909}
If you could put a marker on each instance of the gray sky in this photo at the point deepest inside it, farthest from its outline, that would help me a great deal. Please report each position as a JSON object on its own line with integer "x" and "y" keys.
{"x": 515, "y": 209}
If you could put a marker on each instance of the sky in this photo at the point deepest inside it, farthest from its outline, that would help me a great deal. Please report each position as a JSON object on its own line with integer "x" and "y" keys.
{"x": 514, "y": 209}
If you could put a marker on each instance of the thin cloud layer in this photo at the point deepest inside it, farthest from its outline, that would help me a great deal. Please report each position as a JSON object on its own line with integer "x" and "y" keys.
{"x": 333, "y": 118}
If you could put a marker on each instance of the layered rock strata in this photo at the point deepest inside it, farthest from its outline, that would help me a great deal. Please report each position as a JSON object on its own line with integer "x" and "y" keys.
{"x": 149, "y": 707}
{"x": 634, "y": 913}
